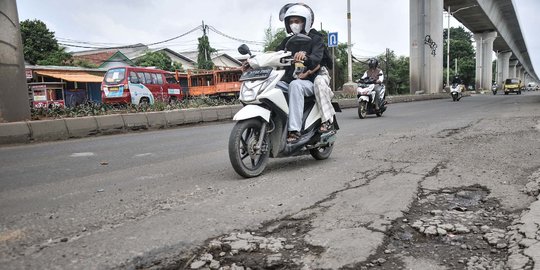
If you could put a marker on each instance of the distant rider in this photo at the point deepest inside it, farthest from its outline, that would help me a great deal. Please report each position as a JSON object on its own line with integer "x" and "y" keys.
{"x": 375, "y": 74}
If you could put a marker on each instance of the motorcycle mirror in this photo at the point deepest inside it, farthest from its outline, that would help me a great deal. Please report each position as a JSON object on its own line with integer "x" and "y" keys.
{"x": 244, "y": 49}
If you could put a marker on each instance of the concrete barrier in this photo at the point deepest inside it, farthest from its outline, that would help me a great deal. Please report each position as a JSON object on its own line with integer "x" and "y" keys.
{"x": 46, "y": 130}
{"x": 209, "y": 114}
{"x": 16, "y": 132}
{"x": 135, "y": 121}
{"x": 81, "y": 127}
{"x": 174, "y": 118}
{"x": 192, "y": 116}
{"x": 156, "y": 120}
{"x": 110, "y": 124}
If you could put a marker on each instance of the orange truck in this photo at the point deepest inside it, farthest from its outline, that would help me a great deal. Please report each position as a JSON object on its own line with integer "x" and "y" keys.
{"x": 214, "y": 83}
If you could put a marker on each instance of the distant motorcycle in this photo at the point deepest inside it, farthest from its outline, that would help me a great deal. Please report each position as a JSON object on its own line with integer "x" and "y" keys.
{"x": 455, "y": 91}
{"x": 494, "y": 89}
{"x": 366, "y": 98}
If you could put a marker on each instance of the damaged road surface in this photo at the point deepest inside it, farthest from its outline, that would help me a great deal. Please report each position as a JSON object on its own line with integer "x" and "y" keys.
{"x": 430, "y": 185}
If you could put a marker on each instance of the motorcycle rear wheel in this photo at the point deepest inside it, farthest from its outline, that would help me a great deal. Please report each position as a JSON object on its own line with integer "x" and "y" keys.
{"x": 246, "y": 161}
{"x": 321, "y": 153}
{"x": 379, "y": 112}
{"x": 362, "y": 109}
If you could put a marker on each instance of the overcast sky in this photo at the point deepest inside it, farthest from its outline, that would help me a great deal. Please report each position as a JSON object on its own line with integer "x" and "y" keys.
{"x": 376, "y": 25}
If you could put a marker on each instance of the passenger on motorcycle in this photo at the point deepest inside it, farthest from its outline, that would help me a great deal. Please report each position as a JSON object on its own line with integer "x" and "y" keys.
{"x": 298, "y": 18}
{"x": 375, "y": 74}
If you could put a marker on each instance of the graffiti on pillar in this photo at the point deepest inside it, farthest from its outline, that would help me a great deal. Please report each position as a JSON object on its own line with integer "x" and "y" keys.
{"x": 428, "y": 41}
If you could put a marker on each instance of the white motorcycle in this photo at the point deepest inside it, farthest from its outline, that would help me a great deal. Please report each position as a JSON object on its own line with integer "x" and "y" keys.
{"x": 261, "y": 128}
{"x": 366, "y": 98}
{"x": 494, "y": 88}
{"x": 455, "y": 91}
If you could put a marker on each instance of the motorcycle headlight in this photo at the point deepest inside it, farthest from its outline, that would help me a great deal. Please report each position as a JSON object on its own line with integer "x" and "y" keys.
{"x": 251, "y": 89}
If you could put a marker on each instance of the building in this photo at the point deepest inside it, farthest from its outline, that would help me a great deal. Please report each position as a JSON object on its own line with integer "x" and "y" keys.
{"x": 128, "y": 55}
{"x": 63, "y": 85}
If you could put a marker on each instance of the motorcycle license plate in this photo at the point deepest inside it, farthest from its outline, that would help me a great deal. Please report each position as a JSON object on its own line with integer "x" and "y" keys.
{"x": 256, "y": 74}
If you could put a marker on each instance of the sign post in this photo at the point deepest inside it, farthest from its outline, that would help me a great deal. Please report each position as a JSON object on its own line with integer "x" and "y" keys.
{"x": 332, "y": 43}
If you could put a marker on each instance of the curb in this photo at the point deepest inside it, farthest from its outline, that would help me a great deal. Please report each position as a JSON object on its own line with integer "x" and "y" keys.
{"x": 80, "y": 127}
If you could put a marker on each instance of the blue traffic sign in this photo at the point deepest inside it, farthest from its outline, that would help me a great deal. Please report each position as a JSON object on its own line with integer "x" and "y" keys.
{"x": 332, "y": 39}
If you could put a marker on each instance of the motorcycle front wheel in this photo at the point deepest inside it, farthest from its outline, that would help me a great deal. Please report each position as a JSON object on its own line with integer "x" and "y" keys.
{"x": 246, "y": 160}
{"x": 362, "y": 109}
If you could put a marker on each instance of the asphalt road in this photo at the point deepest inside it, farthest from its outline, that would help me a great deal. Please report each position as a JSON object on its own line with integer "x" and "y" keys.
{"x": 149, "y": 197}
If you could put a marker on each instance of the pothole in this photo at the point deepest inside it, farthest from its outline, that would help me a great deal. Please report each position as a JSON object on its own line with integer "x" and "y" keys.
{"x": 455, "y": 228}
{"x": 460, "y": 228}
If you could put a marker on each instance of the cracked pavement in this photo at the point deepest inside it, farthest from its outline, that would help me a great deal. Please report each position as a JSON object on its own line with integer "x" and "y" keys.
{"x": 157, "y": 213}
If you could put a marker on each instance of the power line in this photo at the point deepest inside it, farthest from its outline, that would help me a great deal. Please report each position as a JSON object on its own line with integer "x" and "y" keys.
{"x": 99, "y": 45}
{"x": 128, "y": 46}
{"x": 233, "y": 38}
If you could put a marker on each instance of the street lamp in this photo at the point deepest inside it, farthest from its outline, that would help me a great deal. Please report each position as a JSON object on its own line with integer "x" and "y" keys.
{"x": 448, "y": 43}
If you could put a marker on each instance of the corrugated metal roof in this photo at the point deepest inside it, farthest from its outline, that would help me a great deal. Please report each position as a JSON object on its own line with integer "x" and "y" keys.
{"x": 72, "y": 76}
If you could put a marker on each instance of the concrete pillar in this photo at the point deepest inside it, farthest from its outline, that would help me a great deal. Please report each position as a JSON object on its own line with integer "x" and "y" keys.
{"x": 503, "y": 66}
{"x": 484, "y": 59}
{"x": 14, "y": 103}
{"x": 426, "y": 56}
{"x": 512, "y": 73}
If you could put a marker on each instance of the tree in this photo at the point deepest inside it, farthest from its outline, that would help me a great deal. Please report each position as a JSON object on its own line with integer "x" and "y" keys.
{"x": 272, "y": 41}
{"x": 158, "y": 59}
{"x": 461, "y": 48}
{"x": 40, "y": 46}
{"x": 204, "y": 58}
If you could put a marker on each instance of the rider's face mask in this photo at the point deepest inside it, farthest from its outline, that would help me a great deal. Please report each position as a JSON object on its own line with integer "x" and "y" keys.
{"x": 296, "y": 27}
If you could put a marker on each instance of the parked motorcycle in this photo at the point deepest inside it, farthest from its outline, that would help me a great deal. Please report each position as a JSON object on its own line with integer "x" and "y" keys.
{"x": 455, "y": 91}
{"x": 366, "y": 98}
{"x": 261, "y": 128}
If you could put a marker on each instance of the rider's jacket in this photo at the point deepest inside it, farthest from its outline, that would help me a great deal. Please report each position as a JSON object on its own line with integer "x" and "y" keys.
{"x": 315, "y": 51}
{"x": 373, "y": 74}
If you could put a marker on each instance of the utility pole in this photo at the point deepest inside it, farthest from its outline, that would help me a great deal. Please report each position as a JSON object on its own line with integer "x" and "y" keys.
{"x": 448, "y": 50}
{"x": 349, "y": 39}
{"x": 204, "y": 36}
{"x": 387, "y": 70}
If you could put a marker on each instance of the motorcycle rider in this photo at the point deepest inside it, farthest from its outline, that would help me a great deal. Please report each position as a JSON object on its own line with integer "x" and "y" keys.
{"x": 298, "y": 18}
{"x": 457, "y": 80}
{"x": 375, "y": 74}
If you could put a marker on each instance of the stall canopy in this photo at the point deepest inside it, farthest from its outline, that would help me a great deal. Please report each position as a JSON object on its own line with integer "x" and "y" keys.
{"x": 72, "y": 76}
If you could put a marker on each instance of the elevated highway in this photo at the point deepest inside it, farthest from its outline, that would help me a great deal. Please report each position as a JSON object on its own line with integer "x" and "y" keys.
{"x": 496, "y": 28}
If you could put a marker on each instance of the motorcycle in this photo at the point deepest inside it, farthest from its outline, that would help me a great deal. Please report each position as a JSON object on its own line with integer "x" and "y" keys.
{"x": 494, "y": 89}
{"x": 261, "y": 128}
{"x": 366, "y": 98}
{"x": 455, "y": 91}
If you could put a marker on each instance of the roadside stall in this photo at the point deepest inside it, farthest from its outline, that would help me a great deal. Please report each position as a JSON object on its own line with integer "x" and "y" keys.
{"x": 47, "y": 94}
{"x": 63, "y": 86}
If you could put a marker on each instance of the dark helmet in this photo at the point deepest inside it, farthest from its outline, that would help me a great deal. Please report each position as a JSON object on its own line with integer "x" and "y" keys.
{"x": 373, "y": 63}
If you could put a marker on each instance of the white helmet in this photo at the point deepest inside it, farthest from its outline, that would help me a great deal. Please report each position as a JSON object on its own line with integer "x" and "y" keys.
{"x": 300, "y": 10}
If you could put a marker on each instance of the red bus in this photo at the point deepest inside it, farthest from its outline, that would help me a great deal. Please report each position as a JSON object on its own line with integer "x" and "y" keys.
{"x": 138, "y": 85}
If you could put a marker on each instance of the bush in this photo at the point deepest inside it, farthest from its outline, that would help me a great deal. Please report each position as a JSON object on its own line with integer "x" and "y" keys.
{"x": 93, "y": 109}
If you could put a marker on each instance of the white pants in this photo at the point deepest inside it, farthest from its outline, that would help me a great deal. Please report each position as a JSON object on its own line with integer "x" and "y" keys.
{"x": 298, "y": 89}
{"x": 324, "y": 95}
